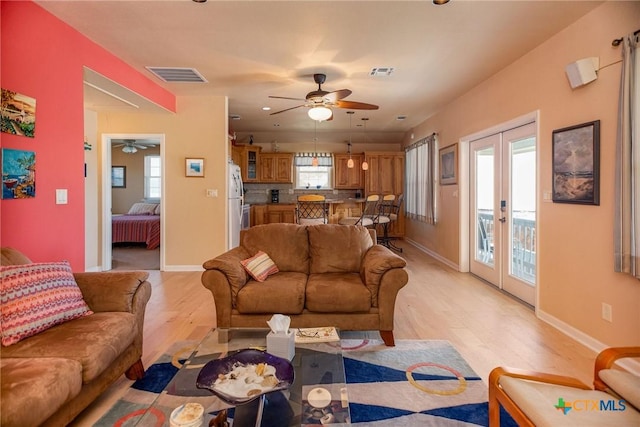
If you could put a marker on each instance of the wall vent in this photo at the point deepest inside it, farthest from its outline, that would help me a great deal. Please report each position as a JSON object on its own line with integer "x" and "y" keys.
{"x": 381, "y": 71}
{"x": 177, "y": 75}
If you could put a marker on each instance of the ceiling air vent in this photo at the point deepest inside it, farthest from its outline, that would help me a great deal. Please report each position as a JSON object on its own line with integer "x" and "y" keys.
{"x": 177, "y": 75}
{"x": 381, "y": 71}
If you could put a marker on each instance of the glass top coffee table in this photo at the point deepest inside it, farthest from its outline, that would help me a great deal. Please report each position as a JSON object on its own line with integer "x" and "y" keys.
{"x": 317, "y": 396}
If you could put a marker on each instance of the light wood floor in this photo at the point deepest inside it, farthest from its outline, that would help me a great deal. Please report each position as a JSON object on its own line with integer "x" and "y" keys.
{"x": 487, "y": 327}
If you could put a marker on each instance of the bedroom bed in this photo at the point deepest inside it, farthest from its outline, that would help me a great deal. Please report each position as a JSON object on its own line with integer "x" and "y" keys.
{"x": 139, "y": 225}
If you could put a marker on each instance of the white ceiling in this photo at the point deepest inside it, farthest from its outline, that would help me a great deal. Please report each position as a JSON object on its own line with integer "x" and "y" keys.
{"x": 248, "y": 50}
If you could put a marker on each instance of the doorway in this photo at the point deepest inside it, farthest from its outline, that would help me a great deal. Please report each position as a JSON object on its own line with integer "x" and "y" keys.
{"x": 108, "y": 141}
{"x": 502, "y": 210}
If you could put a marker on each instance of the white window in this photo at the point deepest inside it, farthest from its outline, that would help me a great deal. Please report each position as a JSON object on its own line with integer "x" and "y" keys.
{"x": 316, "y": 177}
{"x": 152, "y": 177}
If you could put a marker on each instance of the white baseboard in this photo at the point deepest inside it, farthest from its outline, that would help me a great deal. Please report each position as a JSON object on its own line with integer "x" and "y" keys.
{"x": 93, "y": 269}
{"x": 584, "y": 339}
{"x": 433, "y": 254}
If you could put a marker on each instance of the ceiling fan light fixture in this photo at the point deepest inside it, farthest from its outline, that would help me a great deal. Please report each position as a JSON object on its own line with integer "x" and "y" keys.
{"x": 320, "y": 113}
{"x": 129, "y": 149}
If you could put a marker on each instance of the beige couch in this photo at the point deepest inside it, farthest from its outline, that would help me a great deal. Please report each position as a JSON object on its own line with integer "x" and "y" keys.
{"x": 329, "y": 275}
{"x": 49, "y": 378}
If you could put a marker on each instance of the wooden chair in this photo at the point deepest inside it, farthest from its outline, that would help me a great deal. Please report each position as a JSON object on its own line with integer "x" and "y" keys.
{"x": 312, "y": 209}
{"x": 539, "y": 399}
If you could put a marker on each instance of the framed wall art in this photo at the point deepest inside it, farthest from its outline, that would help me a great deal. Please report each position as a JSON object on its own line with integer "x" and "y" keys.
{"x": 576, "y": 164}
{"x": 195, "y": 167}
{"x": 18, "y": 174}
{"x": 448, "y": 165}
{"x": 118, "y": 177}
{"x": 18, "y": 113}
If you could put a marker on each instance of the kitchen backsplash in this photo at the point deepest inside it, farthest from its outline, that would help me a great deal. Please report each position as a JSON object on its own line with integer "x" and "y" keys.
{"x": 261, "y": 193}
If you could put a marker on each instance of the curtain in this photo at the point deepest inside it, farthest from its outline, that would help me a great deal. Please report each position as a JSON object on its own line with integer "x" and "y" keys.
{"x": 420, "y": 170}
{"x": 306, "y": 159}
{"x": 627, "y": 185}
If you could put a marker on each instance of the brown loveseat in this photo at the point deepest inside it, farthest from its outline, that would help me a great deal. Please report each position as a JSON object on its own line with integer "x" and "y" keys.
{"x": 49, "y": 378}
{"x": 328, "y": 275}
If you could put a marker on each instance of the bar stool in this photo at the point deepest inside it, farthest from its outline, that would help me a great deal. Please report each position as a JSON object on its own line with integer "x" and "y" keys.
{"x": 369, "y": 216}
{"x": 392, "y": 211}
{"x": 312, "y": 209}
{"x": 385, "y": 209}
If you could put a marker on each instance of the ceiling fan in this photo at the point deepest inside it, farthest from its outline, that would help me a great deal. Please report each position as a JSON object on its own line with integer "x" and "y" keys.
{"x": 131, "y": 146}
{"x": 320, "y": 100}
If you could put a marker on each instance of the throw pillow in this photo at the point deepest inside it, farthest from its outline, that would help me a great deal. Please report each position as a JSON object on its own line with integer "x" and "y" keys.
{"x": 142, "y": 209}
{"x": 35, "y": 297}
{"x": 260, "y": 266}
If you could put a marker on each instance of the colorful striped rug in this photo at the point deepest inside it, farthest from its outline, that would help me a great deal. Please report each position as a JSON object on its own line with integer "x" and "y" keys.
{"x": 415, "y": 383}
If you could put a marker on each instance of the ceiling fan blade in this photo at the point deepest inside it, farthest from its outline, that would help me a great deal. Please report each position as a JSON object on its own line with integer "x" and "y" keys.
{"x": 337, "y": 95}
{"x": 118, "y": 145}
{"x": 285, "y": 97}
{"x": 292, "y": 108}
{"x": 356, "y": 105}
{"x": 144, "y": 147}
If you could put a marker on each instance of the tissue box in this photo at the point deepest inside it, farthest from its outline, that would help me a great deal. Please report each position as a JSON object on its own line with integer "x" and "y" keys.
{"x": 282, "y": 344}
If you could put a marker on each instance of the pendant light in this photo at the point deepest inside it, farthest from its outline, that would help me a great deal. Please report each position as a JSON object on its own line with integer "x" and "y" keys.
{"x": 365, "y": 165}
{"x": 350, "y": 161}
{"x": 314, "y": 161}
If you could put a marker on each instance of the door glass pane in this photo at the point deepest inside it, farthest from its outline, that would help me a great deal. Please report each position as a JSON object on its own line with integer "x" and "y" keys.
{"x": 523, "y": 210}
{"x": 484, "y": 205}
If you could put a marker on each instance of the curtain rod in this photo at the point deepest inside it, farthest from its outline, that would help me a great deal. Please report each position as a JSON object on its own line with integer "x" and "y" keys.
{"x": 616, "y": 42}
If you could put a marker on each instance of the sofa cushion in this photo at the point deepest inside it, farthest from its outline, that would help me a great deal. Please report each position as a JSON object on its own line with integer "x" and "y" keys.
{"x": 35, "y": 297}
{"x": 260, "y": 266}
{"x": 12, "y": 256}
{"x": 337, "y": 293}
{"x": 94, "y": 341}
{"x": 286, "y": 244}
{"x": 281, "y": 293}
{"x": 51, "y": 382}
{"x": 337, "y": 248}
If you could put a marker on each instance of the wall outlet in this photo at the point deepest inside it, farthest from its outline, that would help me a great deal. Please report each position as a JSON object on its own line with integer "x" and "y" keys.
{"x": 607, "y": 312}
{"x": 291, "y": 191}
{"x": 335, "y": 191}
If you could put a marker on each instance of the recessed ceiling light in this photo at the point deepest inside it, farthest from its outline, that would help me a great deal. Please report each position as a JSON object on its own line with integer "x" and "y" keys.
{"x": 401, "y": 117}
{"x": 234, "y": 117}
{"x": 266, "y": 108}
{"x": 381, "y": 71}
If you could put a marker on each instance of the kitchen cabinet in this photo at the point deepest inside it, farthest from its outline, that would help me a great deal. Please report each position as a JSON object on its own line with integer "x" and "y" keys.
{"x": 276, "y": 167}
{"x": 248, "y": 158}
{"x": 386, "y": 176}
{"x": 258, "y": 214}
{"x": 273, "y": 213}
{"x": 346, "y": 178}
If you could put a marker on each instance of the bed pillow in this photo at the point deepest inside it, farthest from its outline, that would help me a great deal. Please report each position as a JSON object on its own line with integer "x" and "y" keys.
{"x": 260, "y": 266}
{"x": 35, "y": 297}
{"x": 141, "y": 208}
{"x": 156, "y": 210}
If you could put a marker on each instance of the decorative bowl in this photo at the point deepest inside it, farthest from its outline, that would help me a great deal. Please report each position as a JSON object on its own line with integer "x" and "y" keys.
{"x": 209, "y": 373}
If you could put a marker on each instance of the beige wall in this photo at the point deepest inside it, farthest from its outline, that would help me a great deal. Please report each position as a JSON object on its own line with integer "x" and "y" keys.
{"x": 194, "y": 225}
{"x": 575, "y": 242}
{"x": 123, "y": 198}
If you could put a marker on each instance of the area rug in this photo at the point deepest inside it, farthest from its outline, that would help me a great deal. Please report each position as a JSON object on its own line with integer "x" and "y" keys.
{"x": 415, "y": 383}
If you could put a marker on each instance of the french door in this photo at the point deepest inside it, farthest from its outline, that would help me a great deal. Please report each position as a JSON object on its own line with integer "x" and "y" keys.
{"x": 503, "y": 210}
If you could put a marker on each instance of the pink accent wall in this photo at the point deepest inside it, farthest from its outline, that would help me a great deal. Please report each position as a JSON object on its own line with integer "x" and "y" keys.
{"x": 43, "y": 57}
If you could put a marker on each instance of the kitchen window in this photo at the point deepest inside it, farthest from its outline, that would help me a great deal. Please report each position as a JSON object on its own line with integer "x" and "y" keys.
{"x": 313, "y": 177}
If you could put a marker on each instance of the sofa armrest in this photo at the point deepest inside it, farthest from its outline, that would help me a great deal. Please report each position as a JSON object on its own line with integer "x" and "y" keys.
{"x": 377, "y": 261}
{"x": 233, "y": 273}
{"x": 115, "y": 290}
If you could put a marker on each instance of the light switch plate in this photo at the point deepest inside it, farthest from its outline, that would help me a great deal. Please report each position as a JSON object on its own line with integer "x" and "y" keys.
{"x": 61, "y": 196}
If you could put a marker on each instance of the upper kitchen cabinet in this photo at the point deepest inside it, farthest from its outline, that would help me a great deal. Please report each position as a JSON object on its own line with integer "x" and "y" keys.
{"x": 276, "y": 167}
{"x": 248, "y": 158}
{"x": 348, "y": 178}
{"x": 385, "y": 174}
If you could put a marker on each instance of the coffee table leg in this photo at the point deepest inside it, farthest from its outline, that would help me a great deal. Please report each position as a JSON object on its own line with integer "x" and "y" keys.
{"x": 260, "y": 409}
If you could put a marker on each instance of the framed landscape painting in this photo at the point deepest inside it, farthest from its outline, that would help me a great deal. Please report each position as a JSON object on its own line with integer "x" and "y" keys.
{"x": 576, "y": 164}
{"x": 18, "y": 114}
{"x": 18, "y": 174}
{"x": 449, "y": 165}
{"x": 195, "y": 167}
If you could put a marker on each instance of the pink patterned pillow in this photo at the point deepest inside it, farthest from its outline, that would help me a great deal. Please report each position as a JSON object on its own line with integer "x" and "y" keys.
{"x": 35, "y": 297}
{"x": 260, "y": 266}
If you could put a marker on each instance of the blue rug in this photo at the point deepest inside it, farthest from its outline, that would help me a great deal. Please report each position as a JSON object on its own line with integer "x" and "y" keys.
{"x": 415, "y": 383}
